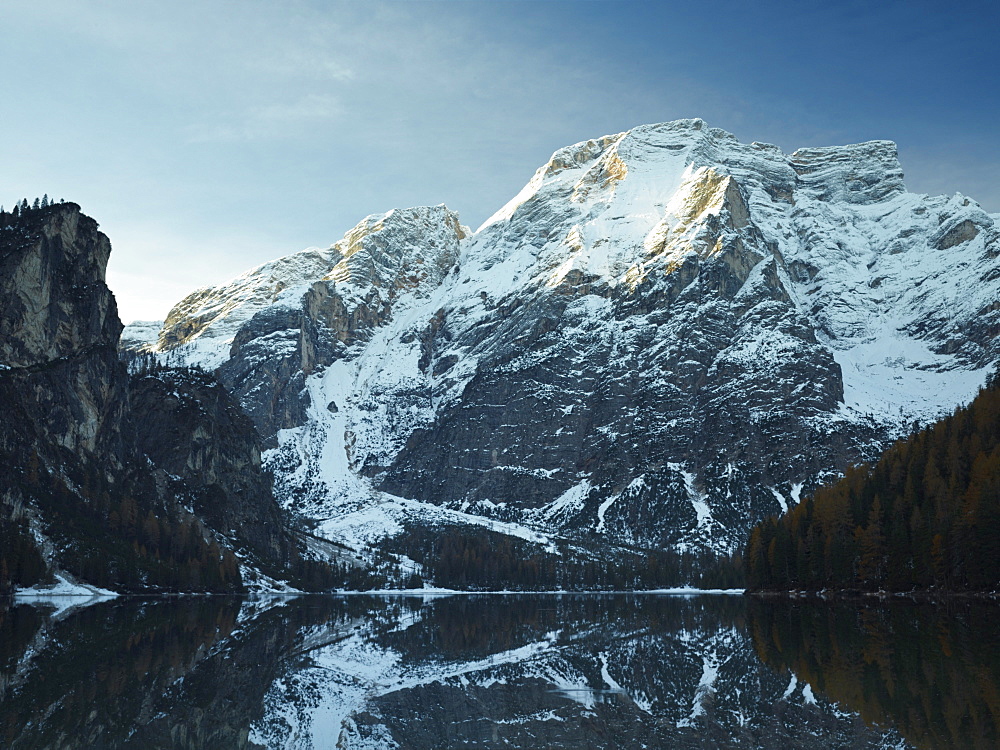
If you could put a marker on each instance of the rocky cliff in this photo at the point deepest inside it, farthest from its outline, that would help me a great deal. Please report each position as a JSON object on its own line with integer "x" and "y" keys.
{"x": 102, "y": 498}
{"x": 666, "y": 335}
{"x": 193, "y": 429}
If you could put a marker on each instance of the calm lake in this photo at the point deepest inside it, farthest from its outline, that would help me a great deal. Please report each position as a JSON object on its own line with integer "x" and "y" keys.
{"x": 497, "y": 671}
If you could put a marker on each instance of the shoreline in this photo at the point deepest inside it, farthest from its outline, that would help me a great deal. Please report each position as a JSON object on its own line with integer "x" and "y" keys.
{"x": 860, "y": 595}
{"x": 36, "y": 595}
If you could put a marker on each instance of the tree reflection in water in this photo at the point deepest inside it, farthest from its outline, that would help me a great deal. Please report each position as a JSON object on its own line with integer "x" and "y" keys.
{"x": 932, "y": 671}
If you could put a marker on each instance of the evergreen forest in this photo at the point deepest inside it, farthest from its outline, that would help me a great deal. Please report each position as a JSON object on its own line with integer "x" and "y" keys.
{"x": 924, "y": 517}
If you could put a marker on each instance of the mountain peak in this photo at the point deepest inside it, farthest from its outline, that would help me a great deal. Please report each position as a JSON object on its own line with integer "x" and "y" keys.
{"x": 858, "y": 173}
{"x": 399, "y": 249}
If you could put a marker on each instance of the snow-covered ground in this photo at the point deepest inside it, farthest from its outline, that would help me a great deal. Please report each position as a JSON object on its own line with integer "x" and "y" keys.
{"x": 63, "y": 595}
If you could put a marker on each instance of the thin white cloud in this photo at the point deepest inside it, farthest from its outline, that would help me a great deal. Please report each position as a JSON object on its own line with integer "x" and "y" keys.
{"x": 271, "y": 121}
{"x": 315, "y": 64}
{"x": 309, "y": 108}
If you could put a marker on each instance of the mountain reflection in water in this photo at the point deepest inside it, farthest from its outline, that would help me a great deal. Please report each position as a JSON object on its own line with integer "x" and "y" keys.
{"x": 528, "y": 671}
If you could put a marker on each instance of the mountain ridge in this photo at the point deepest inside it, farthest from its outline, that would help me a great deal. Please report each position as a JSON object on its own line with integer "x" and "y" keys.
{"x": 666, "y": 335}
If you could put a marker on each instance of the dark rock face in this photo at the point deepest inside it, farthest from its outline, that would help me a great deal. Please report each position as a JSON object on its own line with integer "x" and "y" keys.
{"x": 639, "y": 415}
{"x": 65, "y": 390}
{"x": 55, "y": 302}
{"x": 73, "y": 442}
{"x": 59, "y": 329}
{"x": 193, "y": 429}
{"x": 274, "y": 352}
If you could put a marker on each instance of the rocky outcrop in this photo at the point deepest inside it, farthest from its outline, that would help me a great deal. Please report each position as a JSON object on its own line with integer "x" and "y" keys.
{"x": 857, "y": 174}
{"x": 279, "y": 347}
{"x": 55, "y": 303}
{"x": 74, "y": 440}
{"x": 59, "y": 329}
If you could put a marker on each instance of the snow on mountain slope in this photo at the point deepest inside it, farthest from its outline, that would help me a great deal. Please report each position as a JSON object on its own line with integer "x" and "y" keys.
{"x": 664, "y": 336}
{"x": 141, "y": 334}
{"x": 371, "y": 265}
{"x": 200, "y": 328}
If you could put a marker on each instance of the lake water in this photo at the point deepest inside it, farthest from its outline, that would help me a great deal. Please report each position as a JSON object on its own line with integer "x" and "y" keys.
{"x": 495, "y": 671}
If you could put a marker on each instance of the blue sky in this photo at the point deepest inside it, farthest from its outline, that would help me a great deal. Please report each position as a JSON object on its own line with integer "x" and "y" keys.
{"x": 207, "y": 137}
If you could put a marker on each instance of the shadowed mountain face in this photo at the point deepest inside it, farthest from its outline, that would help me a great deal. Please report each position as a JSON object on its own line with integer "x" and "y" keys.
{"x": 367, "y": 672}
{"x": 99, "y": 468}
{"x": 665, "y": 336}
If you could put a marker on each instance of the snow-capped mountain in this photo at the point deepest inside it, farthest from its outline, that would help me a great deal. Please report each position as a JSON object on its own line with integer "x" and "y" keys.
{"x": 666, "y": 335}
